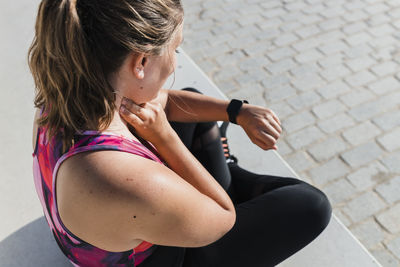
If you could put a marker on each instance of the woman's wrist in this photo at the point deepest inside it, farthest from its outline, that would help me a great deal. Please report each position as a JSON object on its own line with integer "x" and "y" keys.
{"x": 234, "y": 108}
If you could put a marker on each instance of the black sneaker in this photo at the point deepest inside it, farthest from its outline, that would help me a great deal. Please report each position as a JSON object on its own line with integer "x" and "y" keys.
{"x": 229, "y": 158}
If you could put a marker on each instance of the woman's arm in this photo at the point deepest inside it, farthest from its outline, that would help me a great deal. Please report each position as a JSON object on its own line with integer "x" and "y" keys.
{"x": 186, "y": 106}
{"x": 260, "y": 124}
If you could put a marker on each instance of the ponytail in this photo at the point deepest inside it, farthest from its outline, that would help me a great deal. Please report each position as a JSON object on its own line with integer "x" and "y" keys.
{"x": 79, "y": 44}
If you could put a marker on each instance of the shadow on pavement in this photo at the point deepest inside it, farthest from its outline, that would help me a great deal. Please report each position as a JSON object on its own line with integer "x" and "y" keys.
{"x": 32, "y": 245}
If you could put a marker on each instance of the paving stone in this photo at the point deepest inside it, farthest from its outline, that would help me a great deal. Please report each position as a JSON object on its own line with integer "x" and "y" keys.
{"x": 377, "y": 8}
{"x": 310, "y": 55}
{"x": 283, "y": 148}
{"x": 229, "y": 58}
{"x": 388, "y": 120}
{"x": 226, "y": 74}
{"x": 392, "y": 162}
{"x": 275, "y": 81}
{"x": 298, "y": 121}
{"x": 342, "y": 217}
{"x": 362, "y": 154}
{"x": 281, "y": 53}
{"x": 339, "y": 191}
{"x": 253, "y": 46}
{"x": 394, "y": 13}
{"x": 306, "y": 71}
{"x": 246, "y": 31}
{"x": 216, "y": 51}
{"x": 382, "y": 30}
{"x": 390, "y": 190}
{"x": 299, "y": 161}
{"x": 250, "y": 64}
{"x": 281, "y": 109}
{"x": 285, "y": 39}
{"x": 295, "y": 6}
{"x": 334, "y": 47}
{"x": 268, "y": 34}
{"x": 274, "y": 12}
{"x": 248, "y": 20}
{"x": 385, "y": 68}
{"x": 271, "y": 4}
{"x": 313, "y": 9}
{"x": 360, "y": 78}
{"x": 327, "y": 149}
{"x": 331, "y": 12}
{"x": 308, "y": 31}
{"x": 379, "y": 105}
{"x": 332, "y": 60}
{"x": 308, "y": 19}
{"x": 394, "y": 246}
{"x": 335, "y": 72}
{"x": 328, "y": 109}
{"x": 369, "y": 176}
{"x": 384, "y": 86}
{"x": 304, "y": 100}
{"x": 281, "y": 66}
{"x": 331, "y": 24}
{"x": 306, "y": 44}
{"x": 378, "y": 19}
{"x": 390, "y": 218}
{"x": 329, "y": 171}
{"x": 364, "y": 206}
{"x": 360, "y": 63}
{"x": 385, "y": 258}
{"x": 356, "y": 97}
{"x": 361, "y": 133}
{"x": 358, "y": 38}
{"x": 228, "y": 86}
{"x": 354, "y": 27}
{"x": 390, "y": 141}
{"x": 383, "y": 41}
{"x": 304, "y": 137}
{"x": 279, "y": 93}
{"x": 290, "y": 26}
{"x": 251, "y": 77}
{"x": 333, "y": 90}
{"x": 369, "y": 233}
{"x": 306, "y": 82}
{"x": 354, "y": 5}
{"x": 336, "y": 123}
{"x": 354, "y": 16}
{"x": 269, "y": 23}
{"x": 361, "y": 50}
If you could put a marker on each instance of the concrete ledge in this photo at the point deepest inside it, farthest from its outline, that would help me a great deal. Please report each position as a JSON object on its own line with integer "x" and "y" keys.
{"x": 336, "y": 246}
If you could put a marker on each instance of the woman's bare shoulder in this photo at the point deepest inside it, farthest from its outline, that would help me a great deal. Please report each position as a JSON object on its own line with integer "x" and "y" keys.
{"x": 98, "y": 187}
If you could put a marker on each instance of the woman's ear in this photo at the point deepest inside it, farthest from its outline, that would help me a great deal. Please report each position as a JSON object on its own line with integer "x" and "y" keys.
{"x": 138, "y": 63}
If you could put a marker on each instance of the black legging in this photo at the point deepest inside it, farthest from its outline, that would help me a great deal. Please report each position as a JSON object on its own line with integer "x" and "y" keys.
{"x": 275, "y": 216}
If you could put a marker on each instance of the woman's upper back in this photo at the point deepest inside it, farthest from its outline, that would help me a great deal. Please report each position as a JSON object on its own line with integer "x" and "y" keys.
{"x": 48, "y": 157}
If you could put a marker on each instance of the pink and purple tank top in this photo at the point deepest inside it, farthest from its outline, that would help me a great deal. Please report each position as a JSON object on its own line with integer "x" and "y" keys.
{"x": 47, "y": 158}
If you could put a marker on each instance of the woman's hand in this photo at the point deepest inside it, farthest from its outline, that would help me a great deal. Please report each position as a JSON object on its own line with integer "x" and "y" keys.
{"x": 148, "y": 119}
{"x": 261, "y": 125}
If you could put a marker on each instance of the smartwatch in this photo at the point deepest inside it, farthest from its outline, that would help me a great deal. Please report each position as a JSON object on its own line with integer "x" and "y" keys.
{"x": 234, "y": 108}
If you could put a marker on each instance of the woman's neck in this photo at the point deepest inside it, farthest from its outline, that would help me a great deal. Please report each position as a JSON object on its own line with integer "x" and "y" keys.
{"x": 120, "y": 127}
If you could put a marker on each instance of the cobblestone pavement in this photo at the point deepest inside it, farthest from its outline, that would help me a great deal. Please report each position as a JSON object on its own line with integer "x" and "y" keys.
{"x": 330, "y": 70}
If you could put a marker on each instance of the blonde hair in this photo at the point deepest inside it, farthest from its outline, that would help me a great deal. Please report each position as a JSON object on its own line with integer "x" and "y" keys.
{"x": 77, "y": 46}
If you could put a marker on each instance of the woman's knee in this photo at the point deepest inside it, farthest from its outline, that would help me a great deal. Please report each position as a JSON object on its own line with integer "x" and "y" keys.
{"x": 318, "y": 208}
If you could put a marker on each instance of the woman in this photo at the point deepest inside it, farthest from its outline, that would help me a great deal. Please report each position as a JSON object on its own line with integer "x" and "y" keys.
{"x": 119, "y": 184}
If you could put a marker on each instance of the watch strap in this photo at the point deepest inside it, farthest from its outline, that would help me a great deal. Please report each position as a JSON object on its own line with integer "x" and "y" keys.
{"x": 233, "y": 109}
